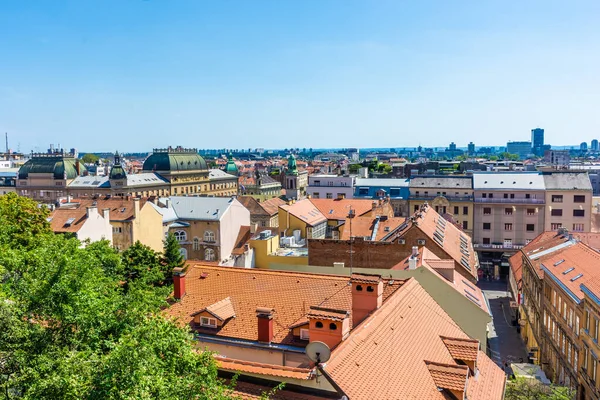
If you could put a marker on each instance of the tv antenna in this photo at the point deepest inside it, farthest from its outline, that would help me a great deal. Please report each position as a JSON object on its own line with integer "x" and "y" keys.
{"x": 351, "y": 215}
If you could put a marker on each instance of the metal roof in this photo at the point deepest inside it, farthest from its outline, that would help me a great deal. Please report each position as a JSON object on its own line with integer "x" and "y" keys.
{"x": 508, "y": 181}
{"x": 381, "y": 182}
{"x": 567, "y": 181}
{"x": 200, "y": 208}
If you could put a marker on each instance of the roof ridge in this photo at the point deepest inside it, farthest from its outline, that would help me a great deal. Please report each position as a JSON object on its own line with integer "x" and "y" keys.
{"x": 272, "y": 272}
{"x": 265, "y": 365}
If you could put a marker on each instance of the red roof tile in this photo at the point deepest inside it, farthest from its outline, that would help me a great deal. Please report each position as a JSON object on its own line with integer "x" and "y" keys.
{"x": 449, "y": 376}
{"x": 232, "y": 365}
{"x": 305, "y": 211}
{"x": 339, "y": 208}
{"x": 462, "y": 349}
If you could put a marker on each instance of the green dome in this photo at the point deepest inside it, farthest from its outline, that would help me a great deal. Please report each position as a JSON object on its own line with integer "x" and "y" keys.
{"x": 231, "y": 168}
{"x": 117, "y": 171}
{"x": 292, "y": 167}
{"x": 175, "y": 160}
{"x": 58, "y": 165}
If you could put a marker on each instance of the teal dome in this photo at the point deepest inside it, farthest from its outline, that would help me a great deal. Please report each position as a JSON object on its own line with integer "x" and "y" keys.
{"x": 62, "y": 167}
{"x": 292, "y": 167}
{"x": 117, "y": 171}
{"x": 231, "y": 168}
{"x": 175, "y": 160}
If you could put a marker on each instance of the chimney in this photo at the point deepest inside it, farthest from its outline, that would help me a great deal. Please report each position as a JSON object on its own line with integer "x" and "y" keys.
{"x": 367, "y": 296}
{"x": 168, "y": 203}
{"x": 106, "y": 213}
{"x": 265, "y": 324}
{"x": 374, "y": 206}
{"x": 69, "y": 198}
{"x": 136, "y": 207}
{"x": 179, "y": 282}
{"x": 77, "y": 167}
{"x": 328, "y": 325}
{"x": 91, "y": 211}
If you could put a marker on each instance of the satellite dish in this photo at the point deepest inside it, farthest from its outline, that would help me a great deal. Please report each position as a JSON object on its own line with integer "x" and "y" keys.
{"x": 318, "y": 352}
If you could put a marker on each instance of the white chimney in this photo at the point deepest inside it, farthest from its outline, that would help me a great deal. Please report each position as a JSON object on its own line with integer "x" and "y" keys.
{"x": 412, "y": 260}
{"x": 415, "y": 251}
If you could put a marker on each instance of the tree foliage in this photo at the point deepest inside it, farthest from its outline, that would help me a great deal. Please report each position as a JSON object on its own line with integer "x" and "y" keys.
{"x": 172, "y": 257}
{"x": 90, "y": 158}
{"x": 84, "y": 322}
{"x": 532, "y": 389}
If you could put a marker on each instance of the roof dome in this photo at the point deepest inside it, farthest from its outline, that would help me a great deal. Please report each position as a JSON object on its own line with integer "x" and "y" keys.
{"x": 175, "y": 160}
{"x": 292, "y": 167}
{"x": 231, "y": 168}
{"x": 62, "y": 166}
{"x": 117, "y": 171}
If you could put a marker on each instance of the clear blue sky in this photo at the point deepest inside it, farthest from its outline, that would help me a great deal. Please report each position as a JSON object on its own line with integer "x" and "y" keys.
{"x": 134, "y": 74}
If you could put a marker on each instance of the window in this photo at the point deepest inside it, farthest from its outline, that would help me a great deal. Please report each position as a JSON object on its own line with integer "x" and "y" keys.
{"x": 577, "y": 325}
{"x": 578, "y": 227}
{"x": 595, "y": 329}
{"x": 317, "y": 183}
{"x": 506, "y": 195}
{"x": 565, "y": 310}
{"x": 315, "y": 195}
{"x": 555, "y": 226}
{"x": 117, "y": 229}
{"x": 487, "y": 210}
{"x": 483, "y": 195}
{"x": 579, "y": 213}
{"x": 210, "y": 322}
{"x": 579, "y": 198}
{"x": 209, "y": 236}
{"x": 508, "y": 211}
{"x": 181, "y": 236}
{"x": 329, "y": 196}
{"x": 394, "y": 192}
{"x": 487, "y": 226}
{"x": 318, "y": 324}
{"x": 512, "y": 195}
{"x": 508, "y": 227}
{"x": 531, "y": 211}
{"x": 465, "y": 210}
{"x": 455, "y": 210}
{"x": 556, "y": 212}
{"x": 554, "y": 298}
{"x": 333, "y": 326}
{"x": 209, "y": 255}
{"x": 486, "y": 240}
{"x": 530, "y": 227}
{"x": 465, "y": 225}
{"x": 343, "y": 196}
{"x": 491, "y": 196}
{"x": 575, "y": 359}
{"x": 416, "y": 208}
{"x": 527, "y": 196}
{"x": 196, "y": 244}
{"x": 570, "y": 317}
{"x": 557, "y": 198}
{"x": 304, "y": 334}
{"x": 363, "y": 191}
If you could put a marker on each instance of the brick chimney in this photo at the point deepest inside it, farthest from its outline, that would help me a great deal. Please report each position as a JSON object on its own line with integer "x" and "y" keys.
{"x": 136, "y": 207}
{"x": 179, "y": 282}
{"x": 367, "y": 296}
{"x": 265, "y": 324}
{"x": 328, "y": 325}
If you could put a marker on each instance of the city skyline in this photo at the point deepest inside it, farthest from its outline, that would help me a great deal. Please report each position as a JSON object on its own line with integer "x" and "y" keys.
{"x": 306, "y": 74}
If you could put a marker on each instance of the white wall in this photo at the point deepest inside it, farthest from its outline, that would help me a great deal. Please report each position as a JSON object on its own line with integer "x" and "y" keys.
{"x": 95, "y": 228}
{"x": 236, "y": 216}
{"x": 330, "y": 184}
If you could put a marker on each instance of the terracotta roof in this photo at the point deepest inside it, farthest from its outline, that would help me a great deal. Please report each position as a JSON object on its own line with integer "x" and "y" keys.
{"x": 365, "y": 278}
{"x": 305, "y": 211}
{"x": 462, "y": 349}
{"x": 395, "y": 342}
{"x": 271, "y": 206}
{"x": 338, "y": 209}
{"x": 252, "y": 205}
{"x": 448, "y": 376}
{"x": 439, "y": 264}
{"x": 253, "y": 391}
{"x": 121, "y": 209}
{"x": 301, "y": 322}
{"x": 516, "y": 266}
{"x": 222, "y": 310}
{"x": 327, "y": 313}
{"x": 60, "y": 216}
{"x": 290, "y": 294}
{"x": 363, "y": 227}
{"x": 233, "y": 365}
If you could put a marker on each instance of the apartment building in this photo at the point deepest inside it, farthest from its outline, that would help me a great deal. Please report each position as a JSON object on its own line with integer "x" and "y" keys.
{"x": 589, "y": 380}
{"x": 450, "y": 196}
{"x": 508, "y": 210}
{"x": 396, "y": 190}
{"x": 330, "y": 186}
{"x": 568, "y": 201}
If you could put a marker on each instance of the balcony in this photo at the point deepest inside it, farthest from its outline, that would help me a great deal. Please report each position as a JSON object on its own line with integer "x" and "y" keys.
{"x": 496, "y": 246}
{"x": 449, "y": 198}
{"x": 487, "y": 200}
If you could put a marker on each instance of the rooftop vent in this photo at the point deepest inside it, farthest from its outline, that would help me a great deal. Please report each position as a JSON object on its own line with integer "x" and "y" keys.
{"x": 569, "y": 270}
{"x": 558, "y": 263}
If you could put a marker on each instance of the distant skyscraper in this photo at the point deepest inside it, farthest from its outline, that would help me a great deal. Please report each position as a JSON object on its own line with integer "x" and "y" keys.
{"x": 595, "y": 145}
{"x": 471, "y": 148}
{"x": 583, "y": 146}
{"x": 523, "y": 149}
{"x": 537, "y": 141}
{"x": 452, "y": 146}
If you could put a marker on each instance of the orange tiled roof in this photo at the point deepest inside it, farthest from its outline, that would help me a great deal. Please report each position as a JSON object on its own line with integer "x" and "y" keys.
{"x": 462, "y": 349}
{"x": 252, "y": 205}
{"x": 244, "y": 235}
{"x": 253, "y": 391}
{"x": 365, "y": 278}
{"x": 363, "y": 227}
{"x": 395, "y": 342}
{"x": 221, "y": 310}
{"x": 448, "y": 376}
{"x": 60, "y": 216}
{"x": 233, "y": 365}
{"x": 271, "y": 206}
{"x": 121, "y": 209}
{"x": 305, "y": 211}
{"x": 327, "y": 313}
{"x": 289, "y": 294}
{"x": 338, "y": 208}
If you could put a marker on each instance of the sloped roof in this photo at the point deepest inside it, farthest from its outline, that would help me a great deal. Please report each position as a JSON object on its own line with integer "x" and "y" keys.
{"x": 396, "y": 341}
{"x": 58, "y": 223}
{"x": 271, "y": 206}
{"x": 233, "y": 365}
{"x": 222, "y": 310}
{"x": 200, "y": 208}
{"x": 567, "y": 181}
{"x": 289, "y": 294}
{"x": 252, "y": 205}
{"x": 363, "y": 227}
{"x": 121, "y": 208}
{"x": 508, "y": 180}
{"x": 338, "y": 208}
{"x": 442, "y": 182}
{"x": 448, "y": 376}
{"x": 462, "y": 349}
{"x": 306, "y": 211}
{"x": 252, "y": 391}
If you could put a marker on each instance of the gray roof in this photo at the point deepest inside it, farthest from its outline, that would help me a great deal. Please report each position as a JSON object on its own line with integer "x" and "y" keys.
{"x": 168, "y": 213}
{"x": 219, "y": 174}
{"x": 567, "y": 181}
{"x": 447, "y": 182}
{"x": 200, "y": 208}
{"x": 508, "y": 180}
{"x": 381, "y": 182}
{"x": 133, "y": 180}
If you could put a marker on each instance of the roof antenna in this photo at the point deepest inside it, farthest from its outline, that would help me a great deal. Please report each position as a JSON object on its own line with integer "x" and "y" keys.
{"x": 351, "y": 215}
{"x": 6, "y": 135}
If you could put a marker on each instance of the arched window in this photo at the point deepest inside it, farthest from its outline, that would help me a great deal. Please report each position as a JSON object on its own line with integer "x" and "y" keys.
{"x": 181, "y": 236}
{"x": 209, "y": 255}
{"x": 183, "y": 253}
{"x": 359, "y": 288}
{"x": 333, "y": 326}
{"x": 319, "y": 324}
{"x": 369, "y": 288}
{"x": 209, "y": 236}
{"x": 196, "y": 244}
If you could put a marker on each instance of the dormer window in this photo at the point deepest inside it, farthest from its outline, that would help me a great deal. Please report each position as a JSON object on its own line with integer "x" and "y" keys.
{"x": 208, "y": 322}
{"x": 333, "y": 326}
{"x": 304, "y": 334}
{"x": 359, "y": 288}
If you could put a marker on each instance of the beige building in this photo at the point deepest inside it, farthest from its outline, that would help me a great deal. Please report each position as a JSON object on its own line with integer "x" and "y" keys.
{"x": 568, "y": 201}
{"x": 263, "y": 214}
{"x": 448, "y": 195}
{"x": 207, "y": 228}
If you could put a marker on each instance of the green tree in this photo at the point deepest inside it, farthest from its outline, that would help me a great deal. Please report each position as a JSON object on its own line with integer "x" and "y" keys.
{"x": 140, "y": 262}
{"x": 532, "y": 389}
{"x": 90, "y": 158}
{"x": 22, "y": 220}
{"x": 172, "y": 257}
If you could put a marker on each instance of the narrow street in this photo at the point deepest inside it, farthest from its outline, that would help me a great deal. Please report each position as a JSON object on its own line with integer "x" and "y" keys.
{"x": 505, "y": 344}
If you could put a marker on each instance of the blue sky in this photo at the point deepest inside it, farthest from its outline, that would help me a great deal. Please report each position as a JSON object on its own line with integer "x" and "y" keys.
{"x": 137, "y": 74}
